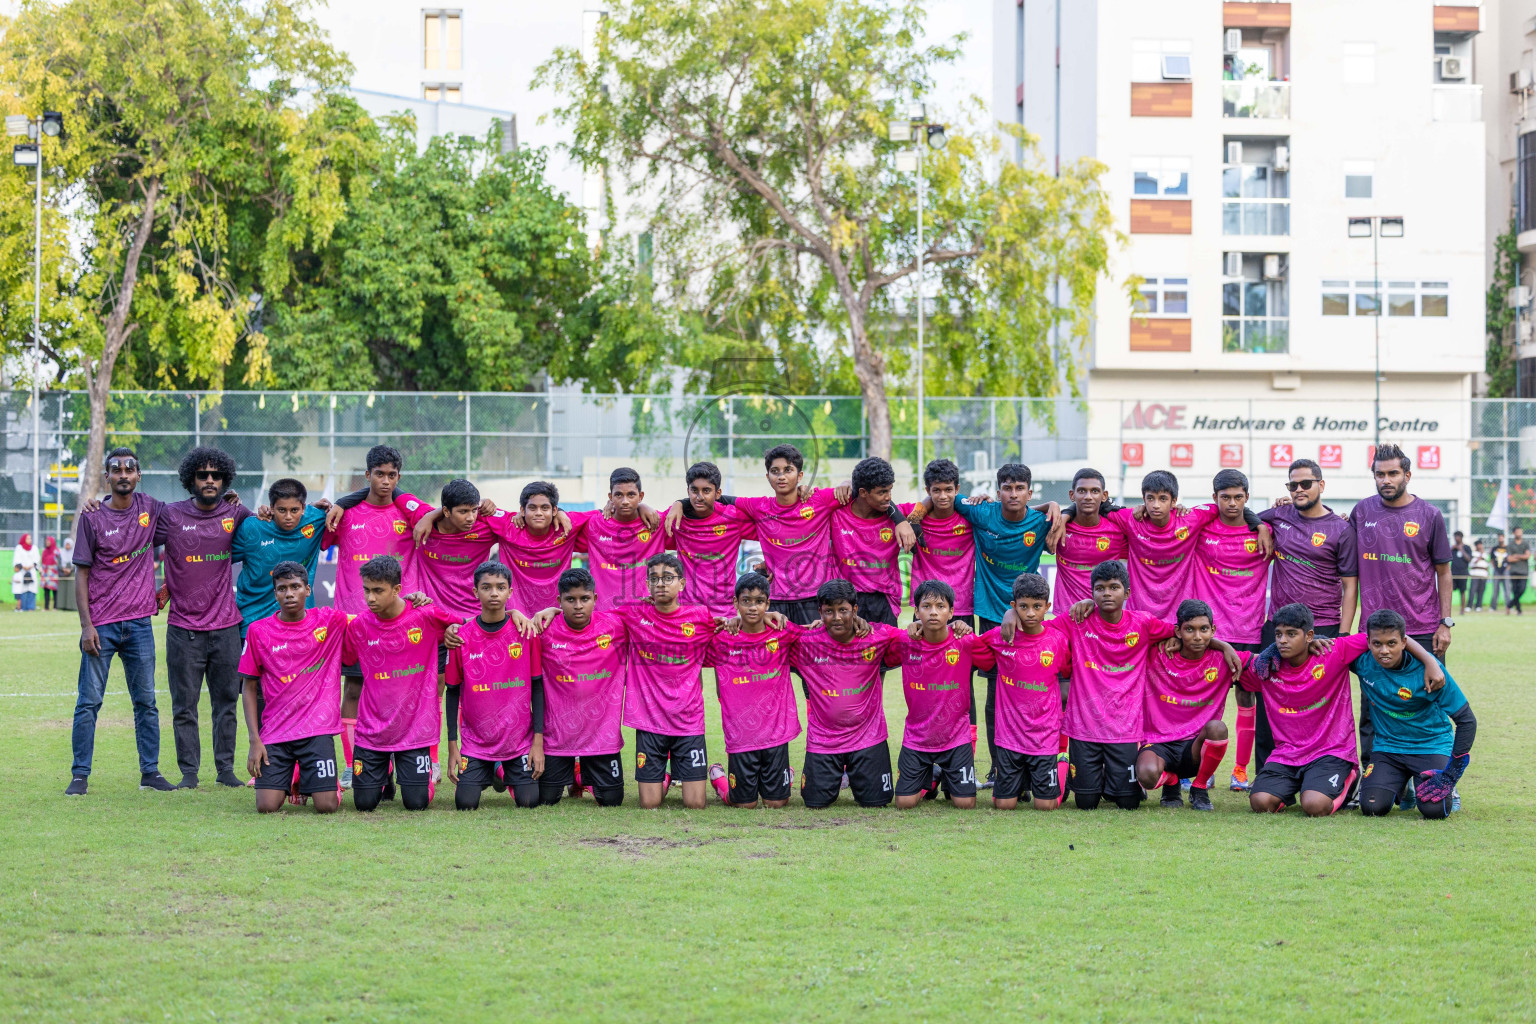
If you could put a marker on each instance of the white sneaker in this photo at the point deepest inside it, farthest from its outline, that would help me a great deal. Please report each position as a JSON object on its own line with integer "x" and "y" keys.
{"x": 437, "y": 773}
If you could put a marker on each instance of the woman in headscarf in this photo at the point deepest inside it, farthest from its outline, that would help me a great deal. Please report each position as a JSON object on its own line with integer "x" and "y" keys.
{"x": 25, "y": 562}
{"x": 50, "y": 573}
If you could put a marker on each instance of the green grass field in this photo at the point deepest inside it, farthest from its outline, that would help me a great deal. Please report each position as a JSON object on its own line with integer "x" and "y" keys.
{"x": 139, "y": 906}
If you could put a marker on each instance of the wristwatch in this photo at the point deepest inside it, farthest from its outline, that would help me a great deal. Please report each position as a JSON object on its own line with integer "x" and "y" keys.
{"x": 1447, "y": 622}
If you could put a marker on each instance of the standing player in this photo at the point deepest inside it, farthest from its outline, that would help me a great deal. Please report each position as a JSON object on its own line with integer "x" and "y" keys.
{"x": 708, "y": 537}
{"x": 757, "y": 701}
{"x": 1089, "y": 538}
{"x": 538, "y": 548}
{"x": 944, "y": 548}
{"x": 495, "y": 698}
{"x": 456, "y": 544}
{"x": 867, "y": 536}
{"x": 291, "y": 665}
{"x": 844, "y": 676}
{"x": 1029, "y": 706}
{"x": 293, "y": 534}
{"x": 1413, "y": 703}
{"x": 582, "y": 652}
{"x": 936, "y": 669}
{"x": 114, "y": 563}
{"x": 1161, "y": 540}
{"x": 620, "y": 547}
{"x": 399, "y": 713}
{"x": 795, "y": 533}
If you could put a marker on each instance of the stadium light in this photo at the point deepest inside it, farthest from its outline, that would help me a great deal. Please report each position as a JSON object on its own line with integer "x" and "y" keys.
{"x": 25, "y": 154}
{"x": 1375, "y": 227}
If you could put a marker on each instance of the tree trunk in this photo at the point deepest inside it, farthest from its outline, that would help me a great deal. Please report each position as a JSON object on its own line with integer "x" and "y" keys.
{"x": 869, "y": 368}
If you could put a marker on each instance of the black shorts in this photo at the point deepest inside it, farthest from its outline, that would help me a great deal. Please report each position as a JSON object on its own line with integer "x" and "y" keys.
{"x": 1103, "y": 768}
{"x": 759, "y": 773}
{"x": 1328, "y": 775}
{"x": 412, "y": 767}
{"x": 869, "y": 776}
{"x": 957, "y": 767}
{"x": 1459, "y": 583}
{"x": 690, "y": 761}
{"x": 873, "y": 607}
{"x": 1019, "y": 775}
{"x": 353, "y": 671}
{"x": 515, "y": 771}
{"x": 600, "y": 771}
{"x": 1392, "y": 771}
{"x": 442, "y": 660}
{"x": 316, "y": 758}
{"x": 802, "y": 611}
{"x": 1178, "y": 757}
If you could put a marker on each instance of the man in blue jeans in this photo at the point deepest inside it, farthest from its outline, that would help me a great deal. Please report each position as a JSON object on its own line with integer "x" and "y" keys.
{"x": 115, "y": 592}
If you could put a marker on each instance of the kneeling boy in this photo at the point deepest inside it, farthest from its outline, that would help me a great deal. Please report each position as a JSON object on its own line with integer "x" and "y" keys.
{"x": 1029, "y": 671}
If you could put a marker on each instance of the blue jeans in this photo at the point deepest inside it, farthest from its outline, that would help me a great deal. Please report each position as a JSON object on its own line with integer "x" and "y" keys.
{"x": 29, "y": 602}
{"x": 133, "y": 642}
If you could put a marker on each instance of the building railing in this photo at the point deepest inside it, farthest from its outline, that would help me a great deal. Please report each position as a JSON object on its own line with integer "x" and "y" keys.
{"x": 1256, "y": 98}
{"x": 1256, "y": 217}
{"x": 1456, "y": 103}
{"x": 1258, "y": 334}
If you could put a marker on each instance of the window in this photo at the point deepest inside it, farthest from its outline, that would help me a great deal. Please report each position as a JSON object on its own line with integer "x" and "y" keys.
{"x": 1164, "y": 296}
{"x": 1367, "y": 298}
{"x": 1267, "y": 209}
{"x": 1160, "y": 60}
{"x": 1401, "y": 298}
{"x": 1160, "y": 176}
{"x": 1358, "y": 175}
{"x": 1434, "y": 298}
{"x": 1335, "y": 298}
{"x": 442, "y": 37}
{"x": 441, "y": 93}
{"x": 1359, "y": 63}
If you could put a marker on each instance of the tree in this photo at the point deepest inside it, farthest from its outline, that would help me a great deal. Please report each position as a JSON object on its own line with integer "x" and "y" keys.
{"x": 753, "y": 135}
{"x": 178, "y": 114}
{"x": 1500, "y": 356}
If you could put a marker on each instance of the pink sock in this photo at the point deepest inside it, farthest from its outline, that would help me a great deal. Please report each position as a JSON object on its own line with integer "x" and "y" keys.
{"x": 432, "y": 750}
{"x": 431, "y": 791}
{"x": 666, "y": 783}
{"x": 1062, "y": 746}
{"x": 1245, "y": 718}
{"x": 973, "y": 743}
{"x": 723, "y": 788}
{"x": 348, "y": 728}
{"x": 1211, "y": 754}
{"x": 1168, "y": 779}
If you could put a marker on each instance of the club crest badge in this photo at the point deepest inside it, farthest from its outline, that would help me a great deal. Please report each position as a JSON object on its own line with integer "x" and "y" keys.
{"x": 1182, "y": 533}
{"x": 603, "y": 641}
{"x": 399, "y": 527}
{"x": 143, "y": 518}
{"x": 1029, "y": 538}
{"x": 689, "y": 629}
{"x": 413, "y": 634}
{"x": 806, "y": 512}
{"x": 1410, "y": 529}
{"x": 868, "y": 654}
{"x": 1132, "y": 639}
{"x": 1046, "y": 657}
{"x": 645, "y": 536}
{"x": 228, "y": 523}
{"x": 1319, "y": 539}
{"x": 1317, "y": 671}
{"x": 640, "y": 760}
{"x": 773, "y": 646}
{"x": 952, "y": 656}
{"x": 718, "y": 529}
{"x": 1250, "y": 545}
{"x": 1102, "y": 543}
{"x": 515, "y": 649}
{"x": 308, "y": 531}
{"x": 319, "y": 635}
{"x": 1403, "y": 693}
{"x": 886, "y": 534}
{"x": 1210, "y": 674}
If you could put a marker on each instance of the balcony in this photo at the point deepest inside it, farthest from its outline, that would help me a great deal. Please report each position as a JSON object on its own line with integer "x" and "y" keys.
{"x": 1256, "y": 98}
{"x": 1261, "y": 335}
{"x": 1460, "y": 104}
{"x": 1256, "y": 217}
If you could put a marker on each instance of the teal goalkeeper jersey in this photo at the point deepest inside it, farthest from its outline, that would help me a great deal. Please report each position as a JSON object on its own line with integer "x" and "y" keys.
{"x": 1003, "y": 550}
{"x": 1407, "y": 719}
{"x": 261, "y": 546}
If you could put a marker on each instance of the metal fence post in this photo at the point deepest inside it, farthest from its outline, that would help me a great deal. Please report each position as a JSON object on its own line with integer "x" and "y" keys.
{"x": 467, "y": 399}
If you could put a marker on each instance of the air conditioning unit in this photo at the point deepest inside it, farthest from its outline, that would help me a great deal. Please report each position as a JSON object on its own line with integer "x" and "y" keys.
{"x": 1520, "y": 81}
{"x": 1518, "y": 298}
{"x": 1177, "y": 68}
{"x": 1234, "y": 40}
{"x": 1525, "y": 332}
{"x": 1234, "y": 264}
{"x": 1453, "y": 68}
{"x": 1234, "y": 152}
{"x": 1282, "y": 159}
{"x": 1272, "y": 270}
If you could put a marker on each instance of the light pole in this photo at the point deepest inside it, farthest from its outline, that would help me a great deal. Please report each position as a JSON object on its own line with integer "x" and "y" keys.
{"x": 917, "y": 129}
{"x": 1375, "y": 227}
{"x": 30, "y": 154}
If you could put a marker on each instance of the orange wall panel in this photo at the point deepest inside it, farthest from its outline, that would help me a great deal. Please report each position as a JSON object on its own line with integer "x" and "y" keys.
{"x": 1456, "y": 19}
{"x": 1151, "y": 335}
{"x": 1256, "y": 15}
{"x": 1162, "y": 99}
{"x": 1160, "y": 216}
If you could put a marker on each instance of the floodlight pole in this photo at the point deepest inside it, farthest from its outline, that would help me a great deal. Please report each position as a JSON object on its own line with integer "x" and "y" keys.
{"x": 37, "y": 325}
{"x": 921, "y": 188}
{"x": 1376, "y": 283}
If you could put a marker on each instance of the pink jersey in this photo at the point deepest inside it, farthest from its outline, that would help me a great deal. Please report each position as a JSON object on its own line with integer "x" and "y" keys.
{"x": 446, "y": 563}
{"x": 1309, "y": 707}
{"x": 757, "y": 698}
{"x": 537, "y": 561}
{"x": 1183, "y": 695}
{"x": 617, "y": 552}
{"x": 845, "y": 703}
{"x": 299, "y": 666}
{"x": 1161, "y": 559}
{"x": 1231, "y": 575}
{"x": 368, "y": 530}
{"x": 797, "y": 541}
{"x": 936, "y": 682}
{"x": 1078, "y": 552}
{"x": 1028, "y": 715}
{"x": 666, "y": 691}
{"x": 866, "y": 551}
{"x": 946, "y": 552}
{"x": 399, "y": 709}
{"x": 583, "y": 686}
{"x": 708, "y": 548}
{"x": 1109, "y": 675}
{"x": 494, "y": 671}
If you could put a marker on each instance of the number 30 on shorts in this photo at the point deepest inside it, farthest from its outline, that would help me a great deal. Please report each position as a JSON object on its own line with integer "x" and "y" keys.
{"x": 325, "y": 769}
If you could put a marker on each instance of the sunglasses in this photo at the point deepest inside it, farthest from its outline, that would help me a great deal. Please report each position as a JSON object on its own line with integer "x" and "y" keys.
{"x": 122, "y": 466}
{"x": 1301, "y": 485}
{"x": 209, "y": 474}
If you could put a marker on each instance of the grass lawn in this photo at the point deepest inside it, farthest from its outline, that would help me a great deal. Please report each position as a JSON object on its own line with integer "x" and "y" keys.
{"x": 138, "y": 906}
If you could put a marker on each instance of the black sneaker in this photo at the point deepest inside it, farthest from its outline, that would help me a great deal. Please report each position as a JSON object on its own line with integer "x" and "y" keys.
{"x": 157, "y": 782}
{"x": 231, "y": 780}
{"x": 989, "y": 781}
{"x": 388, "y": 791}
{"x": 1200, "y": 799}
{"x": 1171, "y": 796}
{"x": 187, "y": 782}
{"x": 76, "y": 786}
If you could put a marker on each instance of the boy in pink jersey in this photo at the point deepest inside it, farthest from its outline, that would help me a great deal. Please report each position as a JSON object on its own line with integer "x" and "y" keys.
{"x": 399, "y": 714}
{"x": 844, "y": 675}
{"x": 1089, "y": 538}
{"x": 537, "y": 545}
{"x": 1160, "y": 540}
{"x": 944, "y": 548}
{"x": 456, "y": 542}
{"x": 708, "y": 537}
{"x": 584, "y": 655}
{"x": 868, "y": 534}
{"x": 618, "y": 548}
{"x": 1231, "y": 573}
{"x": 495, "y": 700}
{"x": 757, "y": 701}
{"x": 795, "y": 533}
{"x": 936, "y": 669}
{"x": 1186, "y": 698}
{"x": 291, "y": 669}
{"x": 1029, "y": 671}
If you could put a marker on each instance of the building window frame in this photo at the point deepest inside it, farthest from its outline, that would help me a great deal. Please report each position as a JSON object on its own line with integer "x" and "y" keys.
{"x": 1156, "y": 171}
{"x": 1165, "y": 296}
{"x": 1147, "y": 58}
{"x": 442, "y": 39}
{"x": 442, "y": 92}
{"x": 1400, "y": 299}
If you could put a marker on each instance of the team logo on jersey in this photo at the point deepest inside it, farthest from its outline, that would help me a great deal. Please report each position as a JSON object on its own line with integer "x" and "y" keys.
{"x": 1182, "y": 533}
{"x": 1210, "y": 674}
{"x": 1102, "y": 543}
{"x": 958, "y": 531}
{"x": 320, "y": 635}
{"x": 640, "y": 760}
{"x": 228, "y": 523}
{"x": 868, "y": 654}
{"x": 308, "y": 531}
{"x": 1132, "y": 639}
{"x": 603, "y": 641}
{"x": 515, "y": 649}
{"x": 1029, "y": 538}
{"x": 1319, "y": 539}
{"x": 688, "y": 629}
{"x": 1317, "y": 671}
{"x": 645, "y": 536}
{"x": 952, "y": 656}
{"x": 1403, "y": 693}
{"x": 806, "y": 512}
{"x": 718, "y": 530}
{"x": 1046, "y": 657}
{"x": 143, "y": 518}
{"x": 885, "y": 535}
{"x": 773, "y": 646}
{"x": 1410, "y": 529}
{"x": 1250, "y": 545}
{"x": 399, "y": 526}
{"x": 413, "y": 634}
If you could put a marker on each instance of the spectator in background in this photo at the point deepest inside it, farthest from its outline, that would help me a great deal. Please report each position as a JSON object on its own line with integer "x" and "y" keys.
{"x": 49, "y": 571}
{"x": 1477, "y": 575}
{"x": 1499, "y": 560}
{"x": 1461, "y": 555}
{"x": 24, "y": 566}
{"x": 1519, "y": 567}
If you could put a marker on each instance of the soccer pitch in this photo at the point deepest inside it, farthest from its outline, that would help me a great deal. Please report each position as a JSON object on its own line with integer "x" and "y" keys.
{"x": 128, "y": 905}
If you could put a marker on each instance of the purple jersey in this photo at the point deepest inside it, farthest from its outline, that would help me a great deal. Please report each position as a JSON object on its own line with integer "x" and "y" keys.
{"x": 617, "y": 551}
{"x": 1231, "y": 574}
{"x": 946, "y": 551}
{"x": 1183, "y": 695}
{"x": 1311, "y": 558}
{"x": 536, "y": 561}
{"x": 198, "y": 570}
{"x": 1399, "y": 549}
{"x": 1109, "y": 674}
{"x": 757, "y": 698}
{"x": 1309, "y": 707}
{"x": 708, "y": 549}
{"x": 299, "y": 667}
{"x": 365, "y": 531}
{"x": 936, "y": 682}
{"x": 494, "y": 671}
{"x": 1028, "y": 688}
{"x": 666, "y": 691}
{"x": 399, "y": 709}
{"x": 446, "y": 563}
{"x": 1161, "y": 559}
{"x": 583, "y": 686}
{"x": 844, "y": 707}
{"x": 1078, "y": 552}
{"x": 866, "y": 551}
{"x": 797, "y": 541}
{"x": 118, "y": 546}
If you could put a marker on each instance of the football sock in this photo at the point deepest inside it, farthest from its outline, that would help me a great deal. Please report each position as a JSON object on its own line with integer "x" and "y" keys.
{"x": 666, "y": 783}
{"x": 1245, "y": 718}
{"x": 1062, "y": 745}
{"x": 718, "y": 780}
{"x": 1211, "y": 753}
{"x": 348, "y": 727}
{"x": 432, "y": 751}
{"x": 1168, "y": 779}
{"x": 973, "y": 742}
